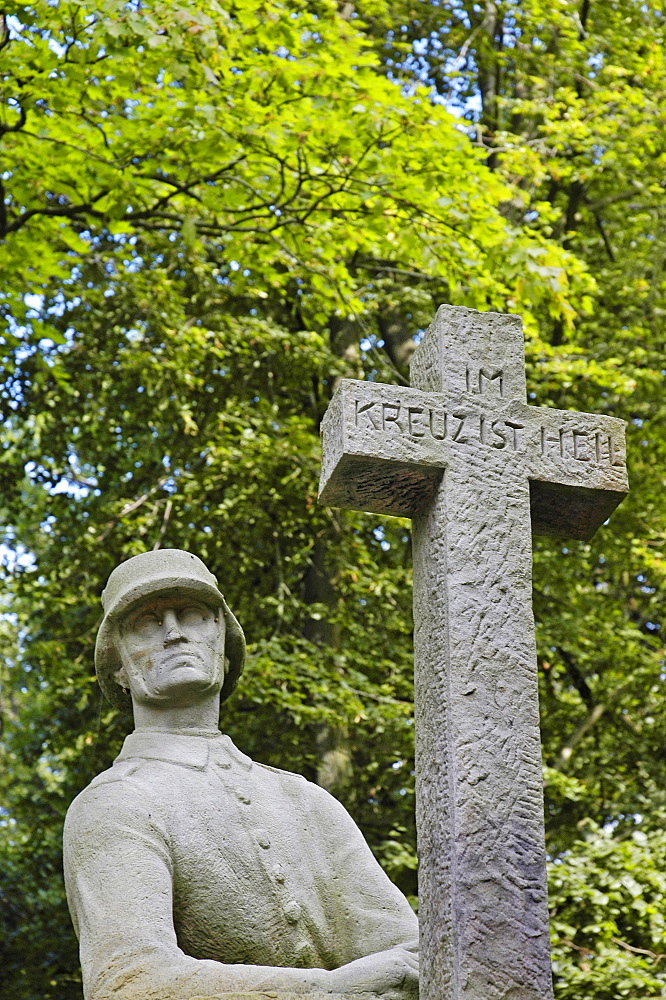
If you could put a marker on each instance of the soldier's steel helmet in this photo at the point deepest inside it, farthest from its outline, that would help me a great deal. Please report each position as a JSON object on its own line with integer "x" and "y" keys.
{"x": 166, "y": 571}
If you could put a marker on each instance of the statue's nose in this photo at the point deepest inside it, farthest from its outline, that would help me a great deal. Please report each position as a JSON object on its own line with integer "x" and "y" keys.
{"x": 173, "y": 632}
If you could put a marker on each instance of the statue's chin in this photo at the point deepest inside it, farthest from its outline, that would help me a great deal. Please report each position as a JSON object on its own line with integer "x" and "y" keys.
{"x": 183, "y": 686}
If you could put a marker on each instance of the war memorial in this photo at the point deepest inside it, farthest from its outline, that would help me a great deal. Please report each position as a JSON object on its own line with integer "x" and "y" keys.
{"x": 193, "y": 872}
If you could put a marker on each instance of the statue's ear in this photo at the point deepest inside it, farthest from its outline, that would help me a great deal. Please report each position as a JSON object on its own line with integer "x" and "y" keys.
{"x": 121, "y": 678}
{"x": 222, "y": 631}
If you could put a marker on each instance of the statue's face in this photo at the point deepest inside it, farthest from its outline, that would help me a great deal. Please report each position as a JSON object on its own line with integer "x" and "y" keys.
{"x": 172, "y": 650}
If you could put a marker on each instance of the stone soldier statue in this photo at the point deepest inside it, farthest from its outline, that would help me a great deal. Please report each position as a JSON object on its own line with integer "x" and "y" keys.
{"x": 192, "y": 871}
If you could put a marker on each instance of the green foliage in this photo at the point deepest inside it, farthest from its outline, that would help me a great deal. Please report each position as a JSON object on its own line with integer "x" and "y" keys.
{"x": 608, "y": 904}
{"x": 209, "y": 215}
{"x": 261, "y": 134}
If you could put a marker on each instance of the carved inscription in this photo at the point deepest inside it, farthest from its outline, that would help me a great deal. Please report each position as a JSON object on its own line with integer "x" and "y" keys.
{"x": 430, "y": 421}
{"x": 483, "y": 381}
{"x": 581, "y": 445}
{"x": 464, "y": 427}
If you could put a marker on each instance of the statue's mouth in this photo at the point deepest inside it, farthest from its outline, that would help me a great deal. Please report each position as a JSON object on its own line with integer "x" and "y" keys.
{"x": 184, "y": 658}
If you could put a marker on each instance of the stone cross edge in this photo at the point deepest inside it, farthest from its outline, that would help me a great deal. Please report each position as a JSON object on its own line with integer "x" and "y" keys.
{"x": 478, "y": 470}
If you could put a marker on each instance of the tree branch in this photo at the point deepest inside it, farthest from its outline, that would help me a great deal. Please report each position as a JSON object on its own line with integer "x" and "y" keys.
{"x": 657, "y": 956}
{"x": 4, "y": 32}
{"x": 578, "y": 734}
{"x": 132, "y": 506}
{"x": 4, "y": 129}
{"x": 59, "y": 211}
{"x": 602, "y": 231}
{"x": 165, "y": 522}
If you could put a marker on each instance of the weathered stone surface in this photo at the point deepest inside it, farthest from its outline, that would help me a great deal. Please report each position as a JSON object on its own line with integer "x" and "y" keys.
{"x": 386, "y": 446}
{"x": 288, "y": 996}
{"x": 477, "y": 468}
{"x": 190, "y": 870}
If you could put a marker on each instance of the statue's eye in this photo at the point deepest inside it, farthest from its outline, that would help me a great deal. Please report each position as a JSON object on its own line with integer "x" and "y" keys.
{"x": 147, "y": 623}
{"x": 191, "y": 615}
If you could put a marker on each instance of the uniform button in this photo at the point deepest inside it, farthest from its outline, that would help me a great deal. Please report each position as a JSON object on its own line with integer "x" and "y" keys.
{"x": 243, "y": 797}
{"x": 277, "y": 872}
{"x": 263, "y": 839}
{"x": 292, "y": 911}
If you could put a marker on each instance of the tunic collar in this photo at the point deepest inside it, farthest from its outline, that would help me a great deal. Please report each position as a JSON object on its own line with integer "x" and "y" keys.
{"x": 184, "y": 749}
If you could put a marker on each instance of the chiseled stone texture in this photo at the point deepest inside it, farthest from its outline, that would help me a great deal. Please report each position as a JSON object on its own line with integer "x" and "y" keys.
{"x": 262, "y": 995}
{"x": 386, "y": 446}
{"x": 478, "y": 469}
{"x": 188, "y": 867}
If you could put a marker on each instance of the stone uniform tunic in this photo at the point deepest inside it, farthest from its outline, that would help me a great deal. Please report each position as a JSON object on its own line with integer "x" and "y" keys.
{"x": 188, "y": 866}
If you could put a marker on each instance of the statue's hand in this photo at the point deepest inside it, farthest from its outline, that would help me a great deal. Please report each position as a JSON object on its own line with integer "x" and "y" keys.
{"x": 392, "y": 975}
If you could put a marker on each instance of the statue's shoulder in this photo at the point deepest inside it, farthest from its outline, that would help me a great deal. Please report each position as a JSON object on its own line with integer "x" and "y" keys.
{"x": 296, "y": 783}
{"x": 305, "y": 791}
{"x": 120, "y": 770}
{"x": 287, "y": 775}
{"x": 122, "y": 779}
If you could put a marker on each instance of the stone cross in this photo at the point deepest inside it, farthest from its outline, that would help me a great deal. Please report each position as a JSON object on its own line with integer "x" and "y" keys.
{"x": 477, "y": 469}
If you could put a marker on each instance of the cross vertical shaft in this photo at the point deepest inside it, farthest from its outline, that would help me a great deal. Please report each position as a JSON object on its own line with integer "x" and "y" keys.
{"x": 482, "y": 886}
{"x": 478, "y": 470}
{"x": 482, "y": 893}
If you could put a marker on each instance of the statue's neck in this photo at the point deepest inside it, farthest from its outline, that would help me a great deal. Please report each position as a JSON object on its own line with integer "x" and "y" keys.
{"x": 207, "y": 733}
{"x": 201, "y": 717}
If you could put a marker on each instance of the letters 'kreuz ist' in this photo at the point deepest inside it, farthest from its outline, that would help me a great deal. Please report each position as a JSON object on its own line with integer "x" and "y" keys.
{"x": 477, "y": 469}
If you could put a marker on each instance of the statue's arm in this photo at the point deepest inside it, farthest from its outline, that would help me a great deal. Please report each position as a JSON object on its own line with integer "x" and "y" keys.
{"x": 377, "y": 916}
{"x": 119, "y": 888}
